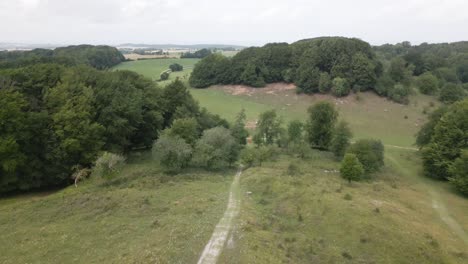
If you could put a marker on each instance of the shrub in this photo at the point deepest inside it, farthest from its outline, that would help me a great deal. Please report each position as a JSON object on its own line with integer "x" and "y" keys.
{"x": 293, "y": 169}
{"x": 248, "y": 156}
{"x": 399, "y": 93}
{"x": 172, "y": 152}
{"x": 164, "y": 76}
{"x": 427, "y": 83}
{"x": 451, "y": 93}
{"x": 176, "y": 67}
{"x": 351, "y": 169}
{"x": 107, "y": 164}
{"x": 370, "y": 153}
{"x": 216, "y": 149}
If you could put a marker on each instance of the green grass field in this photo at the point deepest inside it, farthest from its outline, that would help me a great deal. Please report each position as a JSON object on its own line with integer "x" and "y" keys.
{"x": 154, "y": 67}
{"x": 317, "y": 217}
{"x": 142, "y": 216}
{"x": 370, "y": 117}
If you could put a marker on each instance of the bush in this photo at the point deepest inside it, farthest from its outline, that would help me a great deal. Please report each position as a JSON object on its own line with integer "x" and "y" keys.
{"x": 399, "y": 93}
{"x": 176, "y": 67}
{"x": 107, "y": 164}
{"x": 370, "y": 153}
{"x": 216, "y": 149}
{"x": 293, "y": 169}
{"x": 172, "y": 152}
{"x": 427, "y": 83}
{"x": 351, "y": 169}
{"x": 164, "y": 76}
{"x": 451, "y": 93}
{"x": 248, "y": 156}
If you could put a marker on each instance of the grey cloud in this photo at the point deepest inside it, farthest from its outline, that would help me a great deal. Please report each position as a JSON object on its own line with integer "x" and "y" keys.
{"x": 237, "y": 22}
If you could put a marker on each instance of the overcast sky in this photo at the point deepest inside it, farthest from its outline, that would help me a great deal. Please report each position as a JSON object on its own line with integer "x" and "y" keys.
{"x": 244, "y": 22}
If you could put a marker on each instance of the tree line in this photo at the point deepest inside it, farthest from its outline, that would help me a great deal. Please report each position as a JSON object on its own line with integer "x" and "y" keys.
{"x": 339, "y": 66}
{"x": 444, "y": 145}
{"x": 99, "y": 57}
{"x": 435, "y": 69}
{"x": 199, "y": 54}
{"x": 57, "y": 119}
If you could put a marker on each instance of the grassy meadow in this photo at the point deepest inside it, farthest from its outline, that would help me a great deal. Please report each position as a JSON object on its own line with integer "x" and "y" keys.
{"x": 369, "y": 115}
{"x": 152, "y": 68}
{"x": 317, "y": 217}
{"x": 140, "y": 216}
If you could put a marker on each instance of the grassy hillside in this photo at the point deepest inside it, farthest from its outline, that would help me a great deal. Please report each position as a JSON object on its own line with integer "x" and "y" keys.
{"x": 154, "y": 67}
{"x": 369, "y": 115}
{"x": 141, "y": 216}
{"x": 317, "y": 217}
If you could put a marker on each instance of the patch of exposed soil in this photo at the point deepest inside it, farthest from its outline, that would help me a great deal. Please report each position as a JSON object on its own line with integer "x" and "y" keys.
{"x": 271, "y": 88}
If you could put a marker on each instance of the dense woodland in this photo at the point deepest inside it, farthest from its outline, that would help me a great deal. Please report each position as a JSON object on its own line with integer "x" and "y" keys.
{"x": 99, "y": 57}
{"x": 56, "y": 118}
{"x": 341, "y": 65}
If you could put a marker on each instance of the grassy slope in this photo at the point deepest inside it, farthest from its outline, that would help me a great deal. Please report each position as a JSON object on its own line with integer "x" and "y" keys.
{"x": 305, "y": 218}
{"x": 371, "y": 116}
{"x": 141, "y": 216}
{"x": 153, "y": 68}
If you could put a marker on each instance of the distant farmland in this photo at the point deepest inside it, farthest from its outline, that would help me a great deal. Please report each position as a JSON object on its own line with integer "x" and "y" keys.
{"x": 154, "y": 67}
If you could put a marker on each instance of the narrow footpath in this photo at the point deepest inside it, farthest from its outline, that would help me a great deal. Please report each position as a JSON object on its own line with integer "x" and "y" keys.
{"x": 220, "y": 234}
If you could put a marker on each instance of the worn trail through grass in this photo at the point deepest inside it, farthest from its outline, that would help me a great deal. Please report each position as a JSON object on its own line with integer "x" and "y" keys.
{"x": 220, "y": 234}
{"x": 438, "y": 205}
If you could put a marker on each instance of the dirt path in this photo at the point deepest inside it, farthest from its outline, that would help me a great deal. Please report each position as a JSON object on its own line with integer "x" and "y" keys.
{"x": 220, "y": 234}
{"x": 439, "y": 206}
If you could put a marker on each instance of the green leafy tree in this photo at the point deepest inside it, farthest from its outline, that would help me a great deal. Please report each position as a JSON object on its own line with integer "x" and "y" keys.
{"x": 462, "y": 71}
{"x": 319, "y": 128}
{"x": 370, "y": 153}
{"x": 399, "y": 93}
{"x": 185, "y": 128}
{"x": 268, "y": 128}
{"x": 341, "y": 139}
{"x": 307, "y": 79}
{"x": 248, "y": 156}
{"x": 238, "y": 130}
{"x": 427, "y": 83}
{"x": 399, "y": 71}
{"x": 363, "y": 71}
{"x": 459, "y": 172}
{"x": 295, "y": 131}
{"x": 424, "y": 135}
{"x": 340, "y": 87}
{"x": 173, "y": 153}
{"x": 252, "y": 75}
{"x": 450, "y": 136}
{"x": 351, "y": 169}
{"x": 213, "y": 69}
{"x": 325, "y": 83}
{"x": 216, "y": 149}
